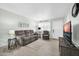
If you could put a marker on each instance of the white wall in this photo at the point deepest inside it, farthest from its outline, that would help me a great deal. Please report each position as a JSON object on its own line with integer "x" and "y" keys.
{"x": 33, "y": 25}
{"x": 10, "y": 21}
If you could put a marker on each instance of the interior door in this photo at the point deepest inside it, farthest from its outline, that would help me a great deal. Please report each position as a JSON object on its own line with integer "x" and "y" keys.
{"x": 57, "y": 28}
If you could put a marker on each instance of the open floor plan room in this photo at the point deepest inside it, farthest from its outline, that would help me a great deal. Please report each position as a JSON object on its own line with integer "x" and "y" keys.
{"x": 39, "y": 29}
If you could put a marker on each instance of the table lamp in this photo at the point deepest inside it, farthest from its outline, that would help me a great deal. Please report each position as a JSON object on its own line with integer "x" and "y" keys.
{"x": 12, "y": 33}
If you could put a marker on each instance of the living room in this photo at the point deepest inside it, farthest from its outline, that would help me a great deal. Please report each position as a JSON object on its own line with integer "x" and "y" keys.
{"x": 34, "y": 29}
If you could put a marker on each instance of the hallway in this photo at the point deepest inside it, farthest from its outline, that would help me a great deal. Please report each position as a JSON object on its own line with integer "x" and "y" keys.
{"x": 38, "y": 48}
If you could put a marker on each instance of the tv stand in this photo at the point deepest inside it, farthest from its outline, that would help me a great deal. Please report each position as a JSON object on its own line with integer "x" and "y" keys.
{"x": 67, "y": 49}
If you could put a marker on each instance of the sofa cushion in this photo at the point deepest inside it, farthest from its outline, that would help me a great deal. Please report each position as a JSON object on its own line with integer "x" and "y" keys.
{"x": 19, "y": 33}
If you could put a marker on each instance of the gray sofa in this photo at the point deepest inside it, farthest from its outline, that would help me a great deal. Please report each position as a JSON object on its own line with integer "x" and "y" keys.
{"x": 25, "y": 37}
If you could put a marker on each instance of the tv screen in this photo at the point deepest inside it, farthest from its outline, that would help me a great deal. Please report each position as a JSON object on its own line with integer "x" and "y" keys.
{"x": 67, "y": 31}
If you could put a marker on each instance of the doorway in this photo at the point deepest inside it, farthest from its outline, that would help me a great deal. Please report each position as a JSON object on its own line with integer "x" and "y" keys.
{"x": 57, "y": 29}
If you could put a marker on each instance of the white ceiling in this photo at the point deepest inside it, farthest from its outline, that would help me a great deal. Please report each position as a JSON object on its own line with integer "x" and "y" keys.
{"x": 38, "y": 11}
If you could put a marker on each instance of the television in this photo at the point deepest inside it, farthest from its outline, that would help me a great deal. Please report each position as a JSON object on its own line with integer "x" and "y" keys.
{"x": 67, "y": 33}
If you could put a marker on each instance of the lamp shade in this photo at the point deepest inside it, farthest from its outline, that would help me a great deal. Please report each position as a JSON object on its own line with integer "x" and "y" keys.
{"x": 11, "y": 32}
